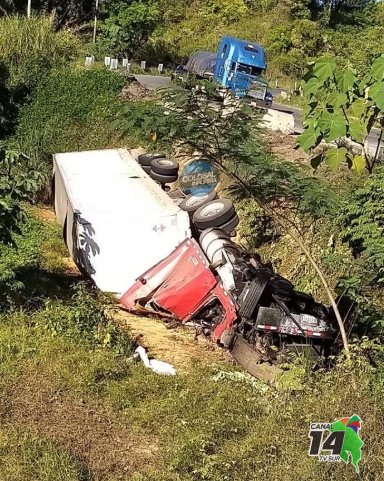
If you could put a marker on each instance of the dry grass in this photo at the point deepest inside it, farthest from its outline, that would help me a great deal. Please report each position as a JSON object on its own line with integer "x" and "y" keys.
{"x": 98, "y": 438}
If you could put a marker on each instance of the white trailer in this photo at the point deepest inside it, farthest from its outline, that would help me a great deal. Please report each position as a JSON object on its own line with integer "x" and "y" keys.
{"x": 117, "y": 222}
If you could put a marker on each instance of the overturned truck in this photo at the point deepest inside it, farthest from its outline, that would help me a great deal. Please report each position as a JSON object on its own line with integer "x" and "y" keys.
{"x": 133, "y": 239}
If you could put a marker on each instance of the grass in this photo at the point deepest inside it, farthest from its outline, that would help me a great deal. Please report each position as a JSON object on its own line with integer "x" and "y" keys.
{"x": 29, "y": 47}
{"x": 75, "y": 409}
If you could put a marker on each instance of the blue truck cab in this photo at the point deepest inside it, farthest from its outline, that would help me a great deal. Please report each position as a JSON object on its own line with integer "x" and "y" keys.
{"x": 239, "y": 67}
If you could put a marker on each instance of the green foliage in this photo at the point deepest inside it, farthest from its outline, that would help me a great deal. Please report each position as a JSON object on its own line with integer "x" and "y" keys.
{"x": 24, "y": 456}
{"x": 30, "y": 48}
{"x": 226, "y": 134}
{"x": 69, "y": 111}
{"x": 85, "y": 318}
{"x": 255, "y": 228}
{"x": 70, "y": 12}
{"x": 224, "y": 10}
{"x": 364, "y": 225}
{"x": 146, "y": 121}
{"x": 342, "y": 104}
{"x": 25, "y": 269}
{"x": 18, "y": 181}
{"x": 125, "y": 27}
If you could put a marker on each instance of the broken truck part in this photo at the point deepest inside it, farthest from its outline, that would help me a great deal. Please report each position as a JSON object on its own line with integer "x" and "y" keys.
{"x": 134, "y": 240}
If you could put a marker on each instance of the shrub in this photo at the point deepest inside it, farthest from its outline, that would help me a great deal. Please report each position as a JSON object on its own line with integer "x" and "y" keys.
{"x": 85, "y": 318}
{"x": 126, "y": 27}
{"x": 69, "y": 111}
{"x": 364, "y": 225}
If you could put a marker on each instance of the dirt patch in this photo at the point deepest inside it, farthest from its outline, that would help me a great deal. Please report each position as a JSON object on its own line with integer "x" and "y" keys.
{"x": 284, "y": 147}
{"x": 98, "y": 438}
{"x": 134, "y": 91}
{"x": 44, "y": 214}
{"x": 180, "y": 345}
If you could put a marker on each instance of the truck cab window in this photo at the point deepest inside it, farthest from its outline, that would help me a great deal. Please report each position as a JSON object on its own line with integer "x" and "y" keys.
{"x": 249, "y": 69}
{"x": 224, "y": 50}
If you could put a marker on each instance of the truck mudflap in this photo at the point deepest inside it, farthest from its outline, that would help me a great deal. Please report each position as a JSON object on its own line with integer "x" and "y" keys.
{"x": 181, "y": 285}
{"x": 251, "y": 360}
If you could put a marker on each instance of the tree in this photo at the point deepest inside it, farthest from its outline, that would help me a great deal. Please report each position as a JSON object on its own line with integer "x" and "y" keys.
{"x": 19, "y": 182}
{"x": 298, "y": 9}
{"x": 68, "y": 12}
{"x": 342, "y": 108}
{"x": 333, "y": 12}
{"x": 126, "y": 26}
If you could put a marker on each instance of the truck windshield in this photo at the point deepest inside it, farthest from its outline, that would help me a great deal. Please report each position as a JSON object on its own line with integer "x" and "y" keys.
{"x": 249, "y": 69}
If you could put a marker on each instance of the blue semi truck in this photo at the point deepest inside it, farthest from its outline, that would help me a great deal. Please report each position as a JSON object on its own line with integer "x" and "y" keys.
{"x": 237, "y": 65}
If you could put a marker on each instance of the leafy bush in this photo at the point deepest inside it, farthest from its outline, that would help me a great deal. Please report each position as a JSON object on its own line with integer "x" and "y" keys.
{"x": 22, "y": 266}
{"x": 16, "y": 185}
{"x": 255, "y": 227}
{"x": 69, "y": 111}
{"x": 125, "y": 27}
{"x": 364, "y": 225}
{"x": 85, "y": 318}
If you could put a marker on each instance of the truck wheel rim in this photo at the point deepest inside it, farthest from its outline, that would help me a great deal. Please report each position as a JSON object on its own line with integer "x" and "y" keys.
{"x": 196, "y": 200}
{"x": 165, "y": 162}
{"x": 211, "y": 209}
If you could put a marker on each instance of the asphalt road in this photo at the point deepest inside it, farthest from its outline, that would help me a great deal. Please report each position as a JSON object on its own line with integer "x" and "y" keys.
{"x": 373, "y": 137}
{"x": 153, "y": 82}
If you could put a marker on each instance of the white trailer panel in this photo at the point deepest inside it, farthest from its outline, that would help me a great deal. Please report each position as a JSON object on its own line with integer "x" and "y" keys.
{"x": 117, "y": 222}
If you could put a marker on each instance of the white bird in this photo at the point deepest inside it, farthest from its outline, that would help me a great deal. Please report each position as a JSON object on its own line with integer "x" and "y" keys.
{"x": 159, "y": 367}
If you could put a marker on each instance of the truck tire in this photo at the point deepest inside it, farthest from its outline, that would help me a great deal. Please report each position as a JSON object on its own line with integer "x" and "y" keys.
{"x": 146, "y": 168}
{"x": 163, "y": 179}
{"x": 165, "y": 166}
{"x": 252, "y": 292}
{"x": 214, "y": 214}
{"x": 146, "y": 159}
{"x": 230, "y": 225}
{"x": 192, "y": 202}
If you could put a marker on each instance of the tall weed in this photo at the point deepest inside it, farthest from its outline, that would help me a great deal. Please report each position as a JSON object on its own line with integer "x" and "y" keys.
{"x": 30, "y": 47}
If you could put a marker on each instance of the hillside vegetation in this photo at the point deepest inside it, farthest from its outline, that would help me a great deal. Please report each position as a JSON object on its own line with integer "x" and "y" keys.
{"x": 74, "y": 405}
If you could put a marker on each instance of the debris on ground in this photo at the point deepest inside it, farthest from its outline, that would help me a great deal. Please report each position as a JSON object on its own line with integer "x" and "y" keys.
{"x": 243, "y": 378}
{"x": 134, "y": 91}
{"x": 159, "y": 367}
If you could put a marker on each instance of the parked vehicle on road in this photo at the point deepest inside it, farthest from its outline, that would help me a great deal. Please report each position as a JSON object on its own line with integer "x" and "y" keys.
{"x": 238, "y": 65}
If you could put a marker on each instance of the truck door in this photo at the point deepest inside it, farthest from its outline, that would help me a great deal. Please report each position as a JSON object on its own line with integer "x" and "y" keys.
{"x": 219, "y": 76}
{"x": 224, "y": 66}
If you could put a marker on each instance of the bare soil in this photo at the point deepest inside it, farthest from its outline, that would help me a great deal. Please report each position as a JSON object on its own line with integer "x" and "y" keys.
{"x": 179, "y": 345}
{"x": 284, "y": 147}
